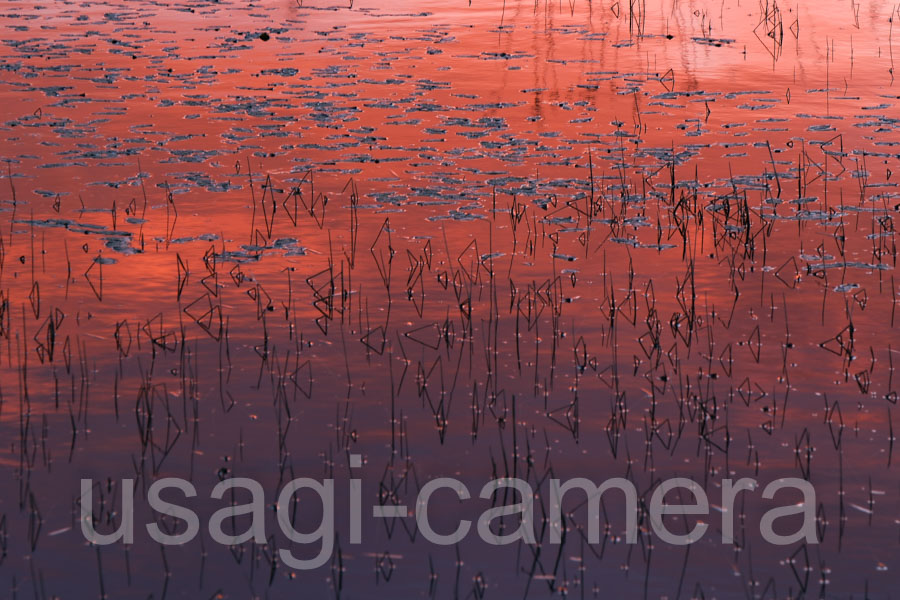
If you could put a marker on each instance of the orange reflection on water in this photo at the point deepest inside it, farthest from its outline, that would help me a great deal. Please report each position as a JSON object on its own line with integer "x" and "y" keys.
{"x": 575, "y": 240}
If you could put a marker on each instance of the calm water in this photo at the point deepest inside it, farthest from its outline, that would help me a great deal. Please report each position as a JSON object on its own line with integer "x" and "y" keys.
{"x": 550, "y": 239}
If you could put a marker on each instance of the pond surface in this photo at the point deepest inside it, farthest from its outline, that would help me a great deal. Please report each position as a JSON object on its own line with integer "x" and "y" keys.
{"x": 470, "y": 240}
